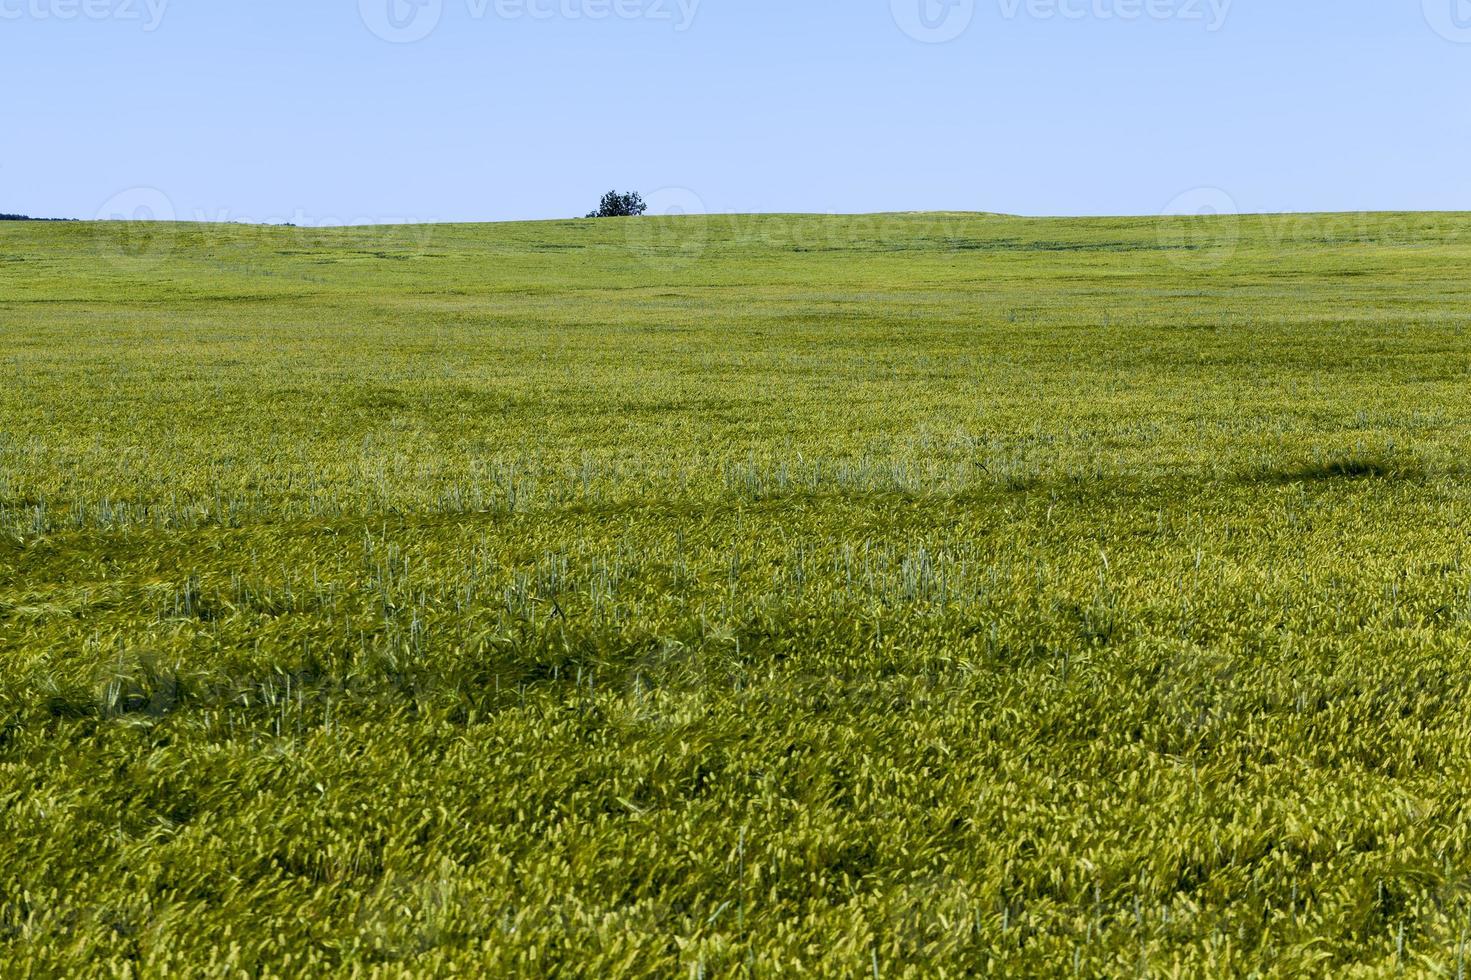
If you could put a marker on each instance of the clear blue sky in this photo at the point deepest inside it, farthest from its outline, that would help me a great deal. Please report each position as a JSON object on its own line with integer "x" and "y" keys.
{"x": 508, "y": 109}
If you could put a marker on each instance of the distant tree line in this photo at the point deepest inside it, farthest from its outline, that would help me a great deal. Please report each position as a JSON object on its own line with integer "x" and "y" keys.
{"x": 616, "y": 205}
{"x": 25, "y": 217}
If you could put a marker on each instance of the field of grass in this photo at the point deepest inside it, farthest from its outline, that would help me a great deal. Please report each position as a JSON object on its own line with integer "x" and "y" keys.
{"x": 898, "y": 596}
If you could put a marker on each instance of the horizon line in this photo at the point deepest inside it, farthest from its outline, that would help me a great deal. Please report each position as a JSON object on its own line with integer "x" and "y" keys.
{"x": 334, "y": 225}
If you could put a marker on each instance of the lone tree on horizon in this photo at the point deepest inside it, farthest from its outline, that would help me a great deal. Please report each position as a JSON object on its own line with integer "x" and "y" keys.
{"x": 616, "y": 205}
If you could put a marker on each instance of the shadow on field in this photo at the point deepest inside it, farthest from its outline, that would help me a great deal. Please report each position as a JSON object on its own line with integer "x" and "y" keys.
{"x": 1349, "y": 467}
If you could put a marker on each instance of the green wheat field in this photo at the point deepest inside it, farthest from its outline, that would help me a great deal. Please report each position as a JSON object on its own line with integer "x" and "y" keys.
{"x": 888, "y": 596}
